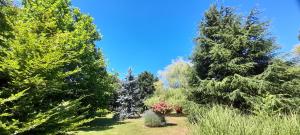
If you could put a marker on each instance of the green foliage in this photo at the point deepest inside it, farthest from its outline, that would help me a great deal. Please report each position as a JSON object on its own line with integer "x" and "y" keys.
{"x": 224, "y": 121}
{"x": 234, "y": 62}
{"x": 153, "y": 119}
{"x": 228, "y": 44}
{"x": 48, "y": 49}
{"x": 176, "y": 75}
{"x": 133, "y": 93}
{"x": 297, "y": 50}
{"x": 275, "y": 90}
{"x": 7, "y": 126}
{"x": 173, "y": 97}
{"x": 129, "y": 98}
{"x": 153, "y": 100}
{"x": 146, "y": 84}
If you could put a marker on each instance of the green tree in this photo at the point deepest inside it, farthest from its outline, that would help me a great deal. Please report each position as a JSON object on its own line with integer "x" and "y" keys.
{"x": 297, "y": 53}
{"x": 228, "y": 44}
{"x": 233, "y": 59}
{"x": 176, "y": 75}
{"x": 146, "y": 82}
{"x": 52, "y": 56}
{"x": 129, "y": 98}
{"x": 297, "y": 48}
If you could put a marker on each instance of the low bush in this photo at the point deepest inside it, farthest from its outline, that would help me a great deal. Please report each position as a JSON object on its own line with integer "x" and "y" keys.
{"x": 153, "y": 119}
{"x": 224, "y": 121}
{"x": 175, "y": 98}
{"x": 161, "y": 108}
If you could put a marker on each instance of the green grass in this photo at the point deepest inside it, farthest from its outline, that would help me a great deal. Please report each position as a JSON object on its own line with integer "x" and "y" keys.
{"x": 107, "y": 126}
{"x": 224, "y": 121}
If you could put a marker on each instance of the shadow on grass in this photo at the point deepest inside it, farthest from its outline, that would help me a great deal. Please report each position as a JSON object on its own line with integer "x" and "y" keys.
{"x": 167, "y": 125}
{"x": 101, "y": 123}
{"x": 171, "y": 124}
{"x": 176, "y": 115}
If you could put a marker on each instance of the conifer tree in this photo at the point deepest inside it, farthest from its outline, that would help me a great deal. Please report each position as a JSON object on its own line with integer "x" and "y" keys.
{"x": 146, "y": 82}
{"x": 229, "y": 45}
{"x": 129, "y": 98}
{"x": 234, "y": 61}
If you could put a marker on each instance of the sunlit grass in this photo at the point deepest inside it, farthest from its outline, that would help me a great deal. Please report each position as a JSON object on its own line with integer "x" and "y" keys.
{"x": 105, "y": 126}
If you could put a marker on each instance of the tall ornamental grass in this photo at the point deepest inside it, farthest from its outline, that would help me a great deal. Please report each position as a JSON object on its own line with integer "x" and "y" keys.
{"x": 224, "y": 121}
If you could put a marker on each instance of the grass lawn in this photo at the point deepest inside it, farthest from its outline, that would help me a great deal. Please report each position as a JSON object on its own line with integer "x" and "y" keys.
{"x": 106, "y": 126}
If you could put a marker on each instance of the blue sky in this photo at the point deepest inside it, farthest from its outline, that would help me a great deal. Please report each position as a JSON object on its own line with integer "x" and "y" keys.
{"x": 149, "y": 34}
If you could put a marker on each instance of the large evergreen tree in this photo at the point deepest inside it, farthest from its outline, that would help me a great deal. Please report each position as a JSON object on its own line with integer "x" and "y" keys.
{"x": 52, "y": 56}
{"x": 233, "y": 59}
{"x": 228, "y": 44}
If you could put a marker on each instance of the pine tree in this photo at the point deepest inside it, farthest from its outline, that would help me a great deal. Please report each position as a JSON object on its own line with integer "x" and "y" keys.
{"x": 129, "y": 99}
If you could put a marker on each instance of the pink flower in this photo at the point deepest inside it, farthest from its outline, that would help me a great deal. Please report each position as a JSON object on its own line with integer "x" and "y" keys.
{"x": 162, "y": 108}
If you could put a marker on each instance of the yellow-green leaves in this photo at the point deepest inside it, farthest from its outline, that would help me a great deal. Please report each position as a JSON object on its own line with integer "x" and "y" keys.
{"x": 52, "y": 54}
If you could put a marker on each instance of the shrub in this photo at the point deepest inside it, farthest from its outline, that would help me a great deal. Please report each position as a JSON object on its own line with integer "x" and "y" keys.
{"x": 178, "y": 109}
{"x": 175, "y": 98}
{"x": 153, "y": 100}
{"x": 224, "y": 121}
{"x": 162, "y": 108}
{"x": 153, "y": 119}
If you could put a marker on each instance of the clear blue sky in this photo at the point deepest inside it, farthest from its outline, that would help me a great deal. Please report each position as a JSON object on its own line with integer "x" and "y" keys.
{"x": 148, "y": 34}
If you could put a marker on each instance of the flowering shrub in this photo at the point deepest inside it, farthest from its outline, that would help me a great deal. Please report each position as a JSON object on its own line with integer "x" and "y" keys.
{"x": 178, "y": 109}
{"x": 175, "y": 98}
{"x": 161, "y": 108}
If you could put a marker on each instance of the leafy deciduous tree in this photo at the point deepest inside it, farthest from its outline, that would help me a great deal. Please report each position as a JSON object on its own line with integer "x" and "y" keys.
{"x": 176, "y": 75}
{"x": 51, "y": 55}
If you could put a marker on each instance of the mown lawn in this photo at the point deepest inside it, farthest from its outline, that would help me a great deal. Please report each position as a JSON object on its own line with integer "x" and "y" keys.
{"x": 107, "y": 126}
